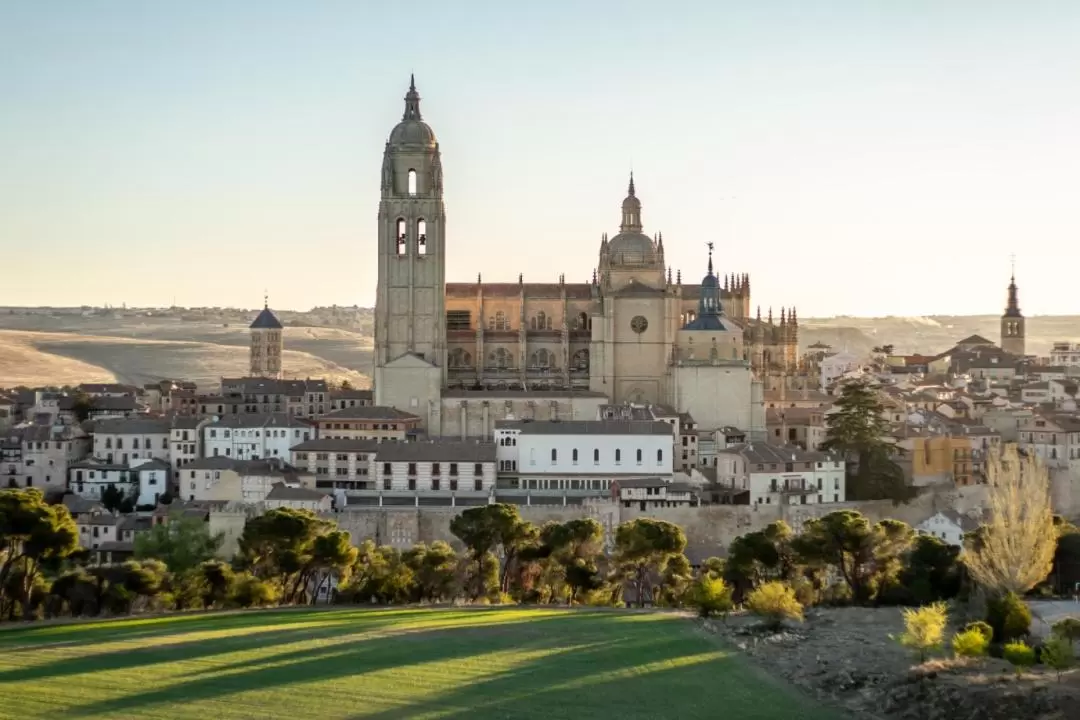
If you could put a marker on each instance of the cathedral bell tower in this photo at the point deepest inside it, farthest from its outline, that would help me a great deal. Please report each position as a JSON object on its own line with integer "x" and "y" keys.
{"x": 1012, "y": 322}
{"x": 410, "y": 332}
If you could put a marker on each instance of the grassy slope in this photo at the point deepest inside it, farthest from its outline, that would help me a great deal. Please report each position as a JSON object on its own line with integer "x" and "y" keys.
{"x": 354, "y": 663}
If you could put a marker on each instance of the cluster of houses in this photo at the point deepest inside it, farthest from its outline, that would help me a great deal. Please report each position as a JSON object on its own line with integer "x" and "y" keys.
{"x": 264, "y": 442}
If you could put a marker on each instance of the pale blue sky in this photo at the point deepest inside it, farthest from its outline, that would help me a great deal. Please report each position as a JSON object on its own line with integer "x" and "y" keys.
{"x": 855, "y": 157}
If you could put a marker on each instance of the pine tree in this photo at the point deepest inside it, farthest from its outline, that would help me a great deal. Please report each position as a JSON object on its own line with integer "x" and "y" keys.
{"x": 858, "y": 430}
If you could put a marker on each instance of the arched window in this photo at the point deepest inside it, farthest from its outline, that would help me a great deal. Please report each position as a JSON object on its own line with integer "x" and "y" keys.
{"x": 412, "y": 183}
{"x": 639, "y": 456}
{"x": 539, "y": 321}
{"x": 573, "y": 456}
{"x": 499, "y": 322}
{"x": 402, "y": 234}
{"x": 659, "y": 457}
{"x": 500, "y": 359}
{"x": 618, "y": 455}
{"x": 542, "y": 359}
{"x": 582, "y": 322}
{"x": 581, "y": 360}
{"x": 596, "y": 455}
{"x": 421, "y": 237}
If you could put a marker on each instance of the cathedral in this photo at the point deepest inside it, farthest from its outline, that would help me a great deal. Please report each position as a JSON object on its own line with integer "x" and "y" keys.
{"x": 462, "y": 355}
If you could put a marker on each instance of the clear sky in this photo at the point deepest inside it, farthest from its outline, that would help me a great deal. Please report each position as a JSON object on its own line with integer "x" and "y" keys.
{"x": 856, "y": 158}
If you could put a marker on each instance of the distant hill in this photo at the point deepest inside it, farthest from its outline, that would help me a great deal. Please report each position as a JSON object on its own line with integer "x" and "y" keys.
{"x": 203, "y": 344}
{"x": 931, "y": 334}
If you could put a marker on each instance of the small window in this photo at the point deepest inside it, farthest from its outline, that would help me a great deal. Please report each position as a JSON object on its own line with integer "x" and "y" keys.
{"x": 412, "y": 183}
{"x": 554, "y": 456}
{"x": 421, "y": 237}
{"x": 659, "y": 457}
{"x": 573, "y": 456}
{"x": 618, "y": 455}
{"x": 596, "y": 456}
{"x": 639, "y": 456}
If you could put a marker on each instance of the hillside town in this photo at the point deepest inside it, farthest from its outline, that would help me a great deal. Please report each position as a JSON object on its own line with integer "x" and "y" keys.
{"x": 123, "y": 457}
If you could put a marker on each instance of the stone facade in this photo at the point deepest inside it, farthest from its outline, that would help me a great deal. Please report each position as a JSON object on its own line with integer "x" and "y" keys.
{"x": 632, "y": 333}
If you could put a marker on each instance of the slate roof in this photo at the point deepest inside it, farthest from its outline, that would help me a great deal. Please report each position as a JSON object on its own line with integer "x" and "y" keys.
{"x": 762, "y": 453}
{"x": 342, "y": 445}
{"x": 132, "y": 426}
{"x": 589, "y": 427}
{"x": 473, "y": 452}
{"x": 368, "y": 412}
{"x": 266, "y": 320}
{"x": 256, "y": 420}
{"x": 281, "y": 491}
{"x": 975, "y": 340}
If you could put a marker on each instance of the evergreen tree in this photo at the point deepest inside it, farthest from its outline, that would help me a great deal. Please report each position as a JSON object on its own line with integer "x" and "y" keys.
{"x": 858, "y": 430}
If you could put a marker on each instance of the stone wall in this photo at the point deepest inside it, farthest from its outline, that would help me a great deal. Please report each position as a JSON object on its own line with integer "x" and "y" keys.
{"x": 709, "y": 529}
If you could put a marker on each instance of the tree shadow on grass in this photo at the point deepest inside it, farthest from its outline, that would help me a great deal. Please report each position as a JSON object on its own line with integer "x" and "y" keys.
{"x": 195, "y": 649}
{"x": 599, "y": 639}
{"x": 32, "y": 638}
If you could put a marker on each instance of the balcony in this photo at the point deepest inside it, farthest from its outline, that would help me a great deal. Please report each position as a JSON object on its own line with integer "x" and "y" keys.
{"x": 793, "y": 489}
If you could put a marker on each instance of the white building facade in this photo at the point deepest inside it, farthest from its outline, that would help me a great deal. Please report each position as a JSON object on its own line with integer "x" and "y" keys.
{"x": 123, "y": 440}
{"x": 580, "y": 458}
{"x": 775, "y": 475}
{"x": 254, "y": 437}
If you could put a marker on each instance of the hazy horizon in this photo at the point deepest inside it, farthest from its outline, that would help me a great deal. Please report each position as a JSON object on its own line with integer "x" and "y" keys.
{"x": 859, "y": 159}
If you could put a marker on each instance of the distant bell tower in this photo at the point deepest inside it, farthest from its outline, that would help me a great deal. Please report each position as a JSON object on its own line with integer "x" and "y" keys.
{"x": 410, "y": 327}
{"x": 1012, "y": 322}
{"x": 266, "y": 344}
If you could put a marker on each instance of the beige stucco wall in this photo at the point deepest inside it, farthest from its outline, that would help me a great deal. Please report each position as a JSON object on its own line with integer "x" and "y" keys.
{"x": 715, "y": 395}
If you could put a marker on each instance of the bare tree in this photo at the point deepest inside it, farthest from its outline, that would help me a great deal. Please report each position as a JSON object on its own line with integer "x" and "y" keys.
{"x": 1014, "y": 550}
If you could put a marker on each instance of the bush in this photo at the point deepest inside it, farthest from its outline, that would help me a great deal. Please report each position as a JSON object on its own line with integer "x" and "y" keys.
{"x": 1069, "y": 628}
{"x": 711, "y": 596}
{"x": 1008, "y": 616}
{"x": 774, "y": 602}
{"x": 924, "y": 628}
{"x": 982, "y": 628}
{"x": 1057, "y": 654}
{"x": 252, "y": 592}
{"x": 1020, "y": 655}
{"x": 970, "y": 643}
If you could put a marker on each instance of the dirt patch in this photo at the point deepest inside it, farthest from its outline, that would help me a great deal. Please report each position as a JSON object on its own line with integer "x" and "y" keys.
{"x": 846, "y": 657}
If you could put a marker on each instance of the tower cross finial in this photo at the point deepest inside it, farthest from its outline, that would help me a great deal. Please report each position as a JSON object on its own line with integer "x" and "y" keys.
{"x": 710, "y": 246}
{"x": 266, "y": 300}
{"x": 630, "y": 190}
{"x": 1012, "y": 266}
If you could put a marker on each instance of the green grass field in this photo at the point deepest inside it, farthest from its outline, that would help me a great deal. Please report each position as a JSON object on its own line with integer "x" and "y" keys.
{"x": 408, "y": 663}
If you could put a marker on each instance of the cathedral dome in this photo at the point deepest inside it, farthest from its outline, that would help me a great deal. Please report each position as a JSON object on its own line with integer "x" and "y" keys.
{"x": 412, "y": 130}
{"x": 632, "y": 247}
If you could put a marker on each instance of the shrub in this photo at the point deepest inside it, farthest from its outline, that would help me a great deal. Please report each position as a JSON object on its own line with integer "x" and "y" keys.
{"x": 774, "y": 602}
{"x": 982, "y": 628}
{"x": 711, "y": 596}
{"x": 971, "y": 643}
{"x": 1069, "y": 628}
{"x": 1008, "y": 616}
{"x": 1020, "y": 655}
{"x": 924, "y": 628}
{"x": 252, "y": 592}
{"x": 1057, "y": 653}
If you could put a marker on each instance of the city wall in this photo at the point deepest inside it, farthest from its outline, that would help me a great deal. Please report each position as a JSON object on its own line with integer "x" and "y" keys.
{"x": 709, "y": 529}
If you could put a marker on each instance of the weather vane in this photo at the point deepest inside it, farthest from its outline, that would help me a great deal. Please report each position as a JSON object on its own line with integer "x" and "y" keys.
{"x": 709, "y": 245}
